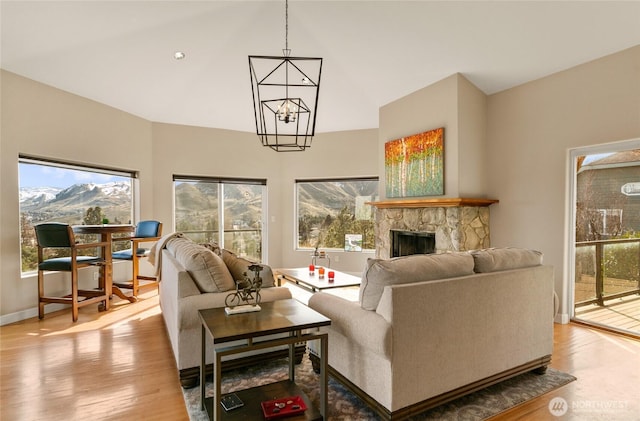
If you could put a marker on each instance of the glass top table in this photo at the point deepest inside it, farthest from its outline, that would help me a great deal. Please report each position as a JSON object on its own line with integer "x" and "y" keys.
{"x": 314, "y": 283}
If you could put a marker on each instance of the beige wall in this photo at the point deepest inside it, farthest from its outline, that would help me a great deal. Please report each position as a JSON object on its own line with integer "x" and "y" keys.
{"x": 530, "y": 131}
{"x": 201, "y": 151}
{"x": 458, "y": 106}
{"x": 472, "y": 140}
{"x": 429, "y": 108}
{"x": 514, "y": 145}
{"x": 337, "y": 154}
{"x": 43, "y": 121}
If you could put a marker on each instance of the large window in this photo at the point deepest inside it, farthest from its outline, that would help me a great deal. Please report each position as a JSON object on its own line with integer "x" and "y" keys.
{"x": 333, "y": 214}
{"x": 52, "y": 191}
{"x": 229, "y": 212}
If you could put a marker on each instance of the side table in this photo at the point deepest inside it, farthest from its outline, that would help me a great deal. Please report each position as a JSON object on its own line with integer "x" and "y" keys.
{"x": 282, "y": 316}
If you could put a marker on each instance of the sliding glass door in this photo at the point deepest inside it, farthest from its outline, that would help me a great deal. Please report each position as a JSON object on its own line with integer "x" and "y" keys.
{"x": 226, "y": 211}
{"x": 605, "y": 240}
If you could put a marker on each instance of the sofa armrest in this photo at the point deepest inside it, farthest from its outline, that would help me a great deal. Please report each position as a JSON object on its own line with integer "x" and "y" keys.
{"x": 173, "y": 271}
{"x": 365, "y": 327}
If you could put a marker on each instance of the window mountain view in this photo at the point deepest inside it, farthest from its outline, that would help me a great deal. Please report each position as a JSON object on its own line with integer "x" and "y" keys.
{"x": 326, "y": 212}
{"x": 329, "y": 210}
{"x": 198, "y": 209}
{"x": 69, "y": 205}
{"x": 83, "y": 203}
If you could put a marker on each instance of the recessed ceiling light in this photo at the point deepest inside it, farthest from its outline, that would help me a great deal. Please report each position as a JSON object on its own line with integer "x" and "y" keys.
{"x": 179, "y": 55}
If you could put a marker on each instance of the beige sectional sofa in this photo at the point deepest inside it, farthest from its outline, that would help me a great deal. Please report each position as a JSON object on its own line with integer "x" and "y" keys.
{"x": 195, "y": 277}
{"x": 430, "y": 328}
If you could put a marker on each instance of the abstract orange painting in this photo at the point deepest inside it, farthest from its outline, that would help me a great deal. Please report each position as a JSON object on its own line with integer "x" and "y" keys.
{"x": 414, "y": 165}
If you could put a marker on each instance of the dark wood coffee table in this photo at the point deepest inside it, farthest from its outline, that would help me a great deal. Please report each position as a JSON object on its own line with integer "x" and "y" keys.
{"x": 301, "y": 277}
{"x": 282, "y": 316}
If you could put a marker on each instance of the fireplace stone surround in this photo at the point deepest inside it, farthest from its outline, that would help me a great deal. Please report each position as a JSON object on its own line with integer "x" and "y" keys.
{"x": 459, "y": 224}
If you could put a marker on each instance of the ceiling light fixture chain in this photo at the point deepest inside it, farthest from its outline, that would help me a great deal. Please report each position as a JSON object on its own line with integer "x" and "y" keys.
{"x": 286, "y": 29}
{"x": 285, "y": 112}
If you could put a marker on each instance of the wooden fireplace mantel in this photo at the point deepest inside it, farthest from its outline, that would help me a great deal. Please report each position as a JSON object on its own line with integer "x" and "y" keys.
{"x": 432, "y": 203}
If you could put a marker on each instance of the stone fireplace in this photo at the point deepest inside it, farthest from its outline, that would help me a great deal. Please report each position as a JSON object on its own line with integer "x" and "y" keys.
{"x": 458, "y": 224}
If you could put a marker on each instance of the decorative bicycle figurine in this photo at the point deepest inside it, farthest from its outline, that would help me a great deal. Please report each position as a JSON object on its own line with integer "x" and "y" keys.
{"x": 247, "y": 290}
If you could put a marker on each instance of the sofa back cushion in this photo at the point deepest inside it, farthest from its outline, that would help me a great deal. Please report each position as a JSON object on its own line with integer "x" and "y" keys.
{"x": 379, "y": 273}
{"x": 205, "y": 267}
{"x": 497, "y": 259}
{"x": 238, "y": 266}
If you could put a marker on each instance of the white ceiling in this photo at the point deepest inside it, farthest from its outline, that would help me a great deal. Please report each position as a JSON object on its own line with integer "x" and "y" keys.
{"x": 120, "y": 53}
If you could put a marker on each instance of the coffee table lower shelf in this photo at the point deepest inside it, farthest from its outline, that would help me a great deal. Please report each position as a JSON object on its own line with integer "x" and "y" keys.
{"x": 253, "y": 397}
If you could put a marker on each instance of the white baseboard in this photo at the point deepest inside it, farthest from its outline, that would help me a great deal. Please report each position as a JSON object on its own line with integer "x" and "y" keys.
{"x": 29, "y": 313}
{"x": 562, "y": 318}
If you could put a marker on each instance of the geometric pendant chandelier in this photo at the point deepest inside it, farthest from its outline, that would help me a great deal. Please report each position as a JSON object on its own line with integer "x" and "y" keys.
{"x": 285, "y": 97}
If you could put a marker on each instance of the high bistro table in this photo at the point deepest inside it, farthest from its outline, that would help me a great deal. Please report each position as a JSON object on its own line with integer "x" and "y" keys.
{"x": 282, "y": 316}
{"x": 106, "y": 232}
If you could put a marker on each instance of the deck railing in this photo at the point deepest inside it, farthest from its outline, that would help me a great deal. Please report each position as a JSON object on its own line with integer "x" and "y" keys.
{"x": 601, "y": 270}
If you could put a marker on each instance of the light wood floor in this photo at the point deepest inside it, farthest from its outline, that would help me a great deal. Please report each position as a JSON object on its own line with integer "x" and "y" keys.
{"x": 119, "y": 366}
{"x": 107, "y": 366}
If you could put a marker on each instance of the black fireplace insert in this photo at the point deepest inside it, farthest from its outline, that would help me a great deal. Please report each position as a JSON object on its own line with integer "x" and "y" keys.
{"x": 405, "y": 243}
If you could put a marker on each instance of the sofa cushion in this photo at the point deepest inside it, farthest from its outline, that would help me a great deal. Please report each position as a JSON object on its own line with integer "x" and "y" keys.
{"x": 205, "y": 267}
{"x": 238, "y": 266}
{"x": 379, "y": 273}
{"x": 496, "y": 259}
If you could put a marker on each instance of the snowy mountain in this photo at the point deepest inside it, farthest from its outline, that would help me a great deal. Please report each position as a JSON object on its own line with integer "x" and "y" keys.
{"x": 43, "y": 203}
{"x": 38, "y": 194}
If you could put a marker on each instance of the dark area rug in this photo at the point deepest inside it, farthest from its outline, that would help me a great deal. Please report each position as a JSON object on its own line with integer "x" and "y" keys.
{"x": 344, "y": 405}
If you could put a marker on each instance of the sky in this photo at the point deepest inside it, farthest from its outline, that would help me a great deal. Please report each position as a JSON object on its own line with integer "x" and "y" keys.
{"x": 32, "y": 175}
{"x": 591, "y": 158}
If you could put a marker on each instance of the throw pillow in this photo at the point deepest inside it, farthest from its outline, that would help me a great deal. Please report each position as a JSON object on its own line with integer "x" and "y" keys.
{"x": 496, "y": 259}
{"x": 239, "y": 268}
{"x": 205, "y": 267}
{"x": 379, "y": 273}
{"x": 214, "y": 247}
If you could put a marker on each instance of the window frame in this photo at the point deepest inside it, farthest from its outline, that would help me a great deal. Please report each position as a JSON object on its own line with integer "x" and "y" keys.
{"x": 221, "y": 181}
{"x": 132, "y": 175}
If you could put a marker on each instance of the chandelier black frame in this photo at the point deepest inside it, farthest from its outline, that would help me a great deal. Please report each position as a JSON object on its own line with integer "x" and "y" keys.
{"x": 285, "y": 98}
